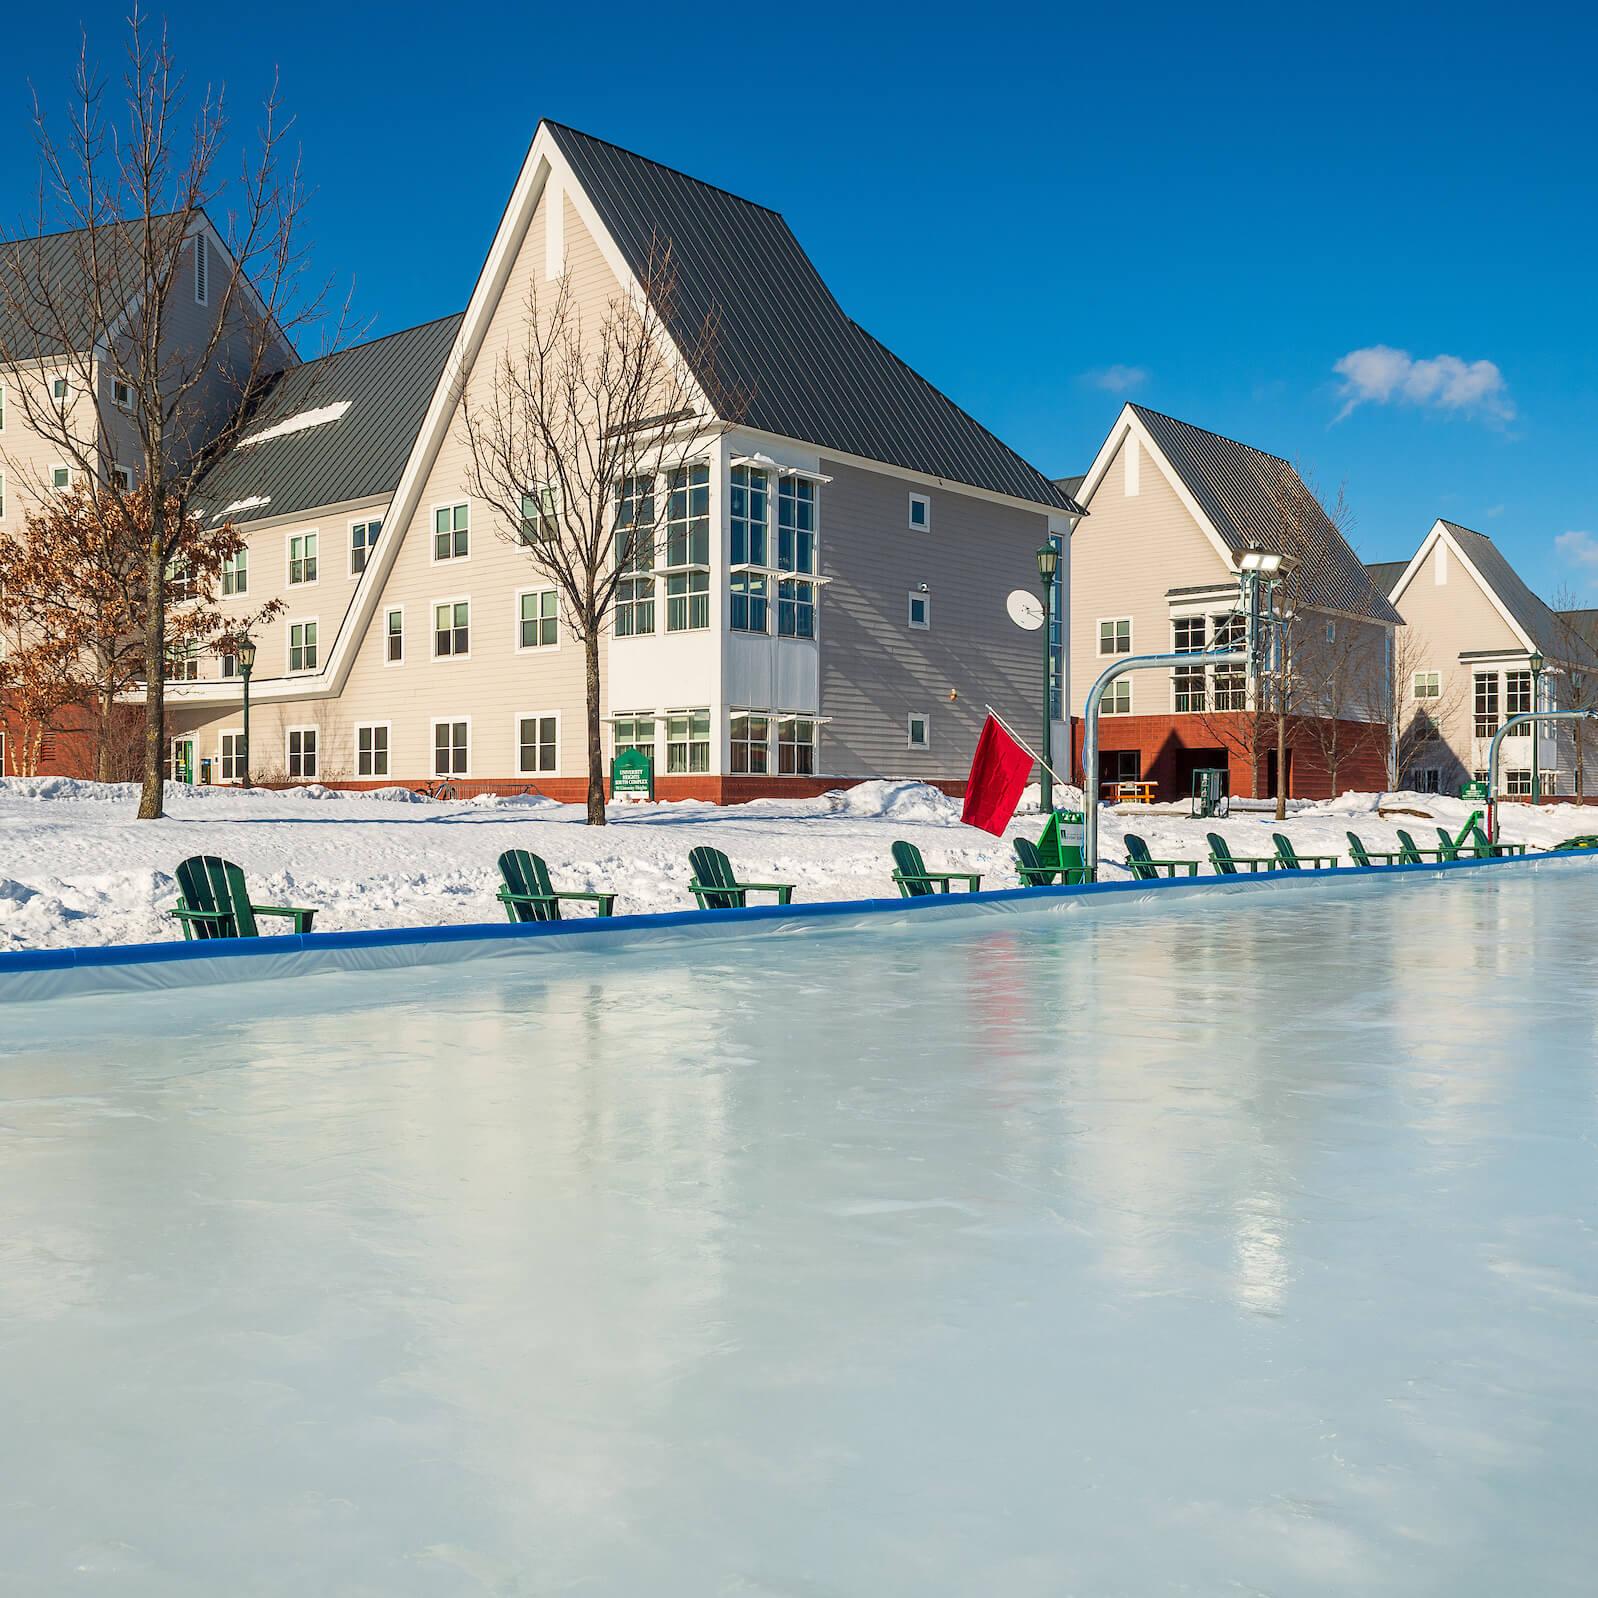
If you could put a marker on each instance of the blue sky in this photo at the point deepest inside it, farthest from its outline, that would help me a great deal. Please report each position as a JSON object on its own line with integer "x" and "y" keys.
{"x": 1363, "y": 240}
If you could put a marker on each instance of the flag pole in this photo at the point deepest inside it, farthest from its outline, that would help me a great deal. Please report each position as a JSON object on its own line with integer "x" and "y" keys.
{"x": 1028, "y": 747}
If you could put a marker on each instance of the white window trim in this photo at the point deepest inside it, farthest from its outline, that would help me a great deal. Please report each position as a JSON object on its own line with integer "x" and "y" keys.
{"x": 230, "y": 732}
{"x": 432, "y": 532}
{"x": 388, "y": 727}
{"x": 391, "y": 610}
{"x": 909, "y": 730}
{"x": 1098, "y": 637}
{"x": 924, "y": 500}
{"x": 60, "y": 466}
{"x": 516, "y": 740}
{"x": 516, "y": 620}
{"x": 127, "y": 472}
{"x": 288, "y": 732}
{"x": 238, "y": 593}
{"x": 1425, "y": 672}
{"x": 288, "y": 557}
{"x": 910, "y": 611}
{"x": 349, "y": 553}
{"x": 2, "y": 495}
{"x": 432, "y": 747}
{"x": 1114, "y": 686}
{"x": 289, "y": 624}
{"x": 125, "y": 406}
{"x": 432, "y": 628}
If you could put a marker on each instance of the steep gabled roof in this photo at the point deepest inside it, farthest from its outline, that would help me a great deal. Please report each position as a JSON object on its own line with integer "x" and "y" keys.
{"x": 1535, "y": 619}
{"x": 1385, "y": 573}
{"x": 47, "y": 280}
{"x": 373, "y": 397}
{"x": 1071, "y": 486}
{"x": 1242, "y": 492}
{"x": 787, "y": 358}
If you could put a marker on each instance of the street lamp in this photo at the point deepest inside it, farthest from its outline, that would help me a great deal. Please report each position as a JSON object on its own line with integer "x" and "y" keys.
{"x": 246, "y": 656}
{"x": 1048, "y": 569}
{"x": 1536, "y": 726}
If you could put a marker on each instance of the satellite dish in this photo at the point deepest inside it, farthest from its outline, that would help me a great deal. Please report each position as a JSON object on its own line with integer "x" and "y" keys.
{"x": 1026, "y": 610}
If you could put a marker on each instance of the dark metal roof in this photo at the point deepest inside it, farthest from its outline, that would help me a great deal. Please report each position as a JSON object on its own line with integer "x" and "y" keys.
{"x": 1584, "y": 623}
{"x": 1536, "y": 619}
{"x": 1384, "y": 573}
{"x": 387, "y": 384}
{"x": 1071, "y": 486}
{"x": 1249, "y": 497}
{"x": 46, "y": 281}
{"x": 787, "y": 360}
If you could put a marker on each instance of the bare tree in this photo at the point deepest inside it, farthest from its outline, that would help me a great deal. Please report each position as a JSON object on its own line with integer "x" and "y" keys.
{"x": 36, "y": 684}
{"x": 1417, "y": 699}
{"x": 580, "y": 444}
{"x": 1579, "y": 689}
{"x": 103, "y": 314}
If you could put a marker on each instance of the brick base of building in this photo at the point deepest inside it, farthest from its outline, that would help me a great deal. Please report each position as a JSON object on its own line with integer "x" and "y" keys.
{"x": 574, "y": 790}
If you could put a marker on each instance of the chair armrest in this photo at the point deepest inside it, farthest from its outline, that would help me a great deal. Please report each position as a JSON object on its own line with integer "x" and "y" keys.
{"x": 783, "y": 890}
{"x": 183, "y": 913}
{"x": 301, "y": 916}
{"x": 603, "y": 900}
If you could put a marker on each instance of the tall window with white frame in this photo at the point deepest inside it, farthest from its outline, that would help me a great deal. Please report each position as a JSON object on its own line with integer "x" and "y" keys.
{"x": 635, "y": 556}
{"x": 796, "y": 747}
{"x": 1117, "y": 700}
{"x": 451, "y": 748}
{"x": 452, "y": 629}
{"x": 371, "y": 750}
{"x": 302, "y": 559}
{"x": 635, "y": 730}
{"x": 538, "y": 745}
{"x": 452, "y": 532}
{"x": 236, "y": 573}
{"x": 1485, "y": 718}
{"x": 687, "y": 742}
{"x": 230, "y": 749}
{"x": 363, "y": 539}
{"x": 688, "y": 549}
{"x": 537, "y": 619}
{"x": 302, "y": 646}
{"x": 751, "y": 744}
{"x": 302, "y": 752}
{"x": 394, "y": 636}
{"x": 1115, "y": 637}
{"x": 796, "y": 557}
{"x": 748, "y": 552}
{"x": 1187, "y": 682}
{"x": 1517, "y": 693}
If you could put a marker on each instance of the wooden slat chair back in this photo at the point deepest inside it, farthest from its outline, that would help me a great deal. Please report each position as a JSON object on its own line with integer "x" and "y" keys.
{"x": 1285, "y": 852}
{"x": 214, "y": 891}
{"x": 1448, "y": 844}
{"x": 1357, "y": 850}
{"x": 1408, "y": 850}
{"x": 1221, "y": 855}
{"x": 527, "y": 878}
{"x": 1138, "y": 860}
{"x": 1030, "y": 867}
{"x": 910, "y": 871}
{"x": 717, "y": 887}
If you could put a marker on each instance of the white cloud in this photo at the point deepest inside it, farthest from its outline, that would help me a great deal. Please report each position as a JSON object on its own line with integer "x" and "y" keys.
{"x": 1381, "y": 375}
{"x": 1578, "y": 548}
{"x": 1117, "y": 379}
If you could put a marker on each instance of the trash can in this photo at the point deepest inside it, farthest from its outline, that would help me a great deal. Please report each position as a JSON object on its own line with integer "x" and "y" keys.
{"x": 1209, "y": 792}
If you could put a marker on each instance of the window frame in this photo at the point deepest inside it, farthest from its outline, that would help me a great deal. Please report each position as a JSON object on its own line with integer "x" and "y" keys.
{"x": 734, "y": 743}
{"x": 1113, "y": 622}
{"x": 316, "y": 752}
{"x": 451, "y": 505}
{"x": 925, "y": 502}
{"x": 389, "y": 612}
{"x": 223, "y": 756}
{"x": 691, "y": 715}
{"x": 387, "y": 729}
{"x": 240, "y": 561}
{"x": 918, "y": 596}
{"x": 910, "y": 720}
{"x": 432, "y": 630}
{"x": 1121, "y": 687}
{"x": 1436, "y": 677}
{"x": 313, "y": 558}
{"x": 813, "y": 743}
{"x": 290, "y": 623}
{"x": 122, "y": 401}
{"x": 517, "y": 620}
{"x": 432, "y": 745}
{"x": 367, "y": 548}
{"x": 516, "y": 741}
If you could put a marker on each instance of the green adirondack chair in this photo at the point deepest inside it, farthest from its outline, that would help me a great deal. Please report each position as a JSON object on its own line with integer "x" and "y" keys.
{"x": 1582, "y": 840}
{"x": 916, "y": 882}
{"x": 529, "y": 895}
{"x": 1362, "y": 856}
{"x": 1145, "y": 868}
{"x": 1410, "y": 853}
{"x": 1033, "y": 872}
{"x": 1485, "y": 847}
{"x": 214, "y": 902}
{"x": 1225, "y": 862}
{"x": 1289, "y": 859}
{"x": 1448, "y": 845}
{"x": 715, "y": 887}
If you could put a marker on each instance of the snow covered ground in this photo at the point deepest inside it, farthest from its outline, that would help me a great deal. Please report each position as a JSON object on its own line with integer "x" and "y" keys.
{"x": 76, "y": 868}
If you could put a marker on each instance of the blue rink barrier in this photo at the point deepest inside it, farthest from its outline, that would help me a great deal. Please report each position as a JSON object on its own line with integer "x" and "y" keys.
{"x": 34, "y": 974}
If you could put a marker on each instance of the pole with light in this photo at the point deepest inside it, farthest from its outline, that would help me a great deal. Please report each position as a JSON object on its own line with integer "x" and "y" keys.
{"x": 1536, "y": 727}
{"x": 246, "y": 657}
{"x": 1048, "y": 570}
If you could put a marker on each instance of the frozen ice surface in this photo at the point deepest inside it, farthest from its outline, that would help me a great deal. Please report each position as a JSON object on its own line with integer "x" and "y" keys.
{"x": 1246, "y": 1248}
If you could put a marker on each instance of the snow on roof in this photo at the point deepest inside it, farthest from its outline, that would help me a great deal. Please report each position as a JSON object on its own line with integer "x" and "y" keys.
{"x": 252, "y": 503}
{"x": 297, "y": 424}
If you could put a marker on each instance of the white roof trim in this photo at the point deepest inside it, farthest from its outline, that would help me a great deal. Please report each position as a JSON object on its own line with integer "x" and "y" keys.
{"x": 1439, "y": 531}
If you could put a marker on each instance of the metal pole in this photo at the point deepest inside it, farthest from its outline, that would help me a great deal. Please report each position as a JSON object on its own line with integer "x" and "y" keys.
{"x": 1498, "y": 738}
{"x": 1045, "y": 777}
{"x": 246, "y": 671}
{"x": 1536, "y": 736}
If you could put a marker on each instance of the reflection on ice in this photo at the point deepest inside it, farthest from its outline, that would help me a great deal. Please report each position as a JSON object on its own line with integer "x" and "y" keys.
{"x": 1244, "y": 1247}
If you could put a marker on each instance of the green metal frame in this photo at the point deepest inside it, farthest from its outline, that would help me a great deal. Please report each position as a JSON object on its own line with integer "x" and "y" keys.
{"x": 528, "y": 895}
{"x": 715, "y": 888}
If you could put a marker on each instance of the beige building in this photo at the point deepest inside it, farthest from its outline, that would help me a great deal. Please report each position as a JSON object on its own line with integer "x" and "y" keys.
{"x": 1473, "y": 632}
{"x": 828, "y": 602}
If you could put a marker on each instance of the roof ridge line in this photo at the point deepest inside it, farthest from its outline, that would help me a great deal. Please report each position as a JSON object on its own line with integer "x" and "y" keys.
{"x": 367, "y": 343}
{"x": 1209, "y": 432}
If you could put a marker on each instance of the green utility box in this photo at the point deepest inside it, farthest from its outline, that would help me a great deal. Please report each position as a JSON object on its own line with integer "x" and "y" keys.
{"x": 1062, "y": 842}
{"x": 1475, "y": 792}
{"x": 1209, "y": 792}
{"x": 632, "y": 775}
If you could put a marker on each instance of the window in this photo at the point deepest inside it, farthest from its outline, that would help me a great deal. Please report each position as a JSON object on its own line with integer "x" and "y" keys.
{"x": 919, "y": 732}
{"x": 371, "y": 749}
{"x": 920, "y": 513}
{"x": 202, "y": 269}
{"x": 796, "y": 747}
{"x": 58, "y": 388}
{"x": 1188, "y": 634}
{"x": 302, "y": 752}
{"x": 796, "y": 525}
{"x": 229, "y": 664}
{"x": 183, "y": 663}
{"x": 635, "y": 731}
{"x": 394, "y": 637}
{"x": 751, "y": 744}
{"x": 363, "y": 536}
{"x": 452, "y": 628}
{"x": 537, "y": 624}
{"x": 688, "y": 742}
{"x": 122, "y": 478}
{"x": 302, "y": 646}
{"x": 796, "y": 609}
{"x": 538, "y": 745}
{"x": 1486, "y": 713}
{"x": 1188, "y": 688}
{"x": 302, "y": 559}
{"x": 1117, "y": 766}
{"x": 750, "y": 606}
{"x": 635, "y": 556}
{"x": 1117, "y": 699}
{"x": 749, "y": 517}
{"x": 688, "y": 517}
{"x": 1115, "y": 637}
{"x": 236, "y": 573}
{"x": 451, "y": 532}
{"x": 1427, "y": 685}
{"x": 687, "y": 601}
{"x": 1331, "y": 632}
{"x": 1427, "y": 779}
{"x": 540, "y": 515}
{"x": 1517, "y": 693}
{"x": 920, "y": 610}
{"x": 180, "y": 579}
{"x": 451, "y": 748}
{"x": 1231, "y": 688}
{"x": 230, "y": 752}
{"x": 121, "y": 394}
{"x": 1517, "y": 784}
{"x": 60, "y": 477}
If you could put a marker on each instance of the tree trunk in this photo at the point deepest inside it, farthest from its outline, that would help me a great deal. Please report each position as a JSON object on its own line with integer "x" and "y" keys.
{"x": 1281, "y": 765}
{"x": 152, "y": 794}
{"x": 596, "y": 748}
{"x": 102, "y": 750}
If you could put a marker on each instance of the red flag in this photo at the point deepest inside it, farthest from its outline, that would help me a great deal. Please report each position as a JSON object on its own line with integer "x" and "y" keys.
{"x": 999, "y": 770}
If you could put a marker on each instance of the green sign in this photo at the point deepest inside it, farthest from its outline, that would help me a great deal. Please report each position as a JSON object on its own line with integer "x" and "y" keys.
{"x": 632, "y": 775}
{"x": 1473, "y": 791}
{"x": 1061, "y": 843}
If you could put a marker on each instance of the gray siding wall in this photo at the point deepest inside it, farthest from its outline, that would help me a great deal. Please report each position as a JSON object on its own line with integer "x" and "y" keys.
{"x": 876, "y": 670}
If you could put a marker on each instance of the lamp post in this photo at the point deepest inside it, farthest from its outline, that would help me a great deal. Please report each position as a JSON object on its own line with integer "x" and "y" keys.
{"x": 246, "y": 654}
{"x": 1048, "y": 570}
{"x": 1536, "y": 726}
